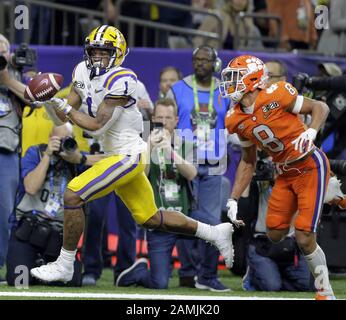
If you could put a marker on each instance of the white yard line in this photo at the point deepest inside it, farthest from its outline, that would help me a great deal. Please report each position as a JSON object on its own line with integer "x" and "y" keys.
{"x": 131, "y": 296}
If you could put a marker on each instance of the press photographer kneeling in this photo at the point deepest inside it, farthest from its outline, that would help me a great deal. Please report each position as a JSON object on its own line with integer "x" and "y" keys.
{"x": 37, "y": 223}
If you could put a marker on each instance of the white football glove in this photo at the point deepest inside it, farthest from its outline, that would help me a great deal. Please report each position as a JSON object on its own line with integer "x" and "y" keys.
{"x": 305, "y": 141}
{"x": 232, "y": 206}
{"x": 57, "y": 103}
{"x": 333, "y": 190}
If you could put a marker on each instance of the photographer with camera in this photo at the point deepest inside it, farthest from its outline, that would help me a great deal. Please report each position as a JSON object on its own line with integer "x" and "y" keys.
{"x": 11, "y": 94}
{"x": 37, "y": 229}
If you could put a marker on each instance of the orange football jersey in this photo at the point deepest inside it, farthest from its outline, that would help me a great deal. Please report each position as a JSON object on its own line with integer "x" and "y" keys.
{"x": 269, "y": 126}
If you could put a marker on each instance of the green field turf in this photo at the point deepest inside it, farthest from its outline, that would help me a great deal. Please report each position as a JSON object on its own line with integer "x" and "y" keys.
{"x": 105, "y": 285}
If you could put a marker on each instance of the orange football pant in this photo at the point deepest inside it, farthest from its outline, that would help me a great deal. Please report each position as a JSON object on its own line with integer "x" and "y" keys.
{"x": 301, "y": 187}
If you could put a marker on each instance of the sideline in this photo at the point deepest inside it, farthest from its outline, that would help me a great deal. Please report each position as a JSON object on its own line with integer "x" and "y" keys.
{"x": 131, "y": 296}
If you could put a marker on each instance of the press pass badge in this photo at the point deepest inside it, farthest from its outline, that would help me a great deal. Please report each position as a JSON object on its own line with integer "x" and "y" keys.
{"x": 52, "y": 207}
{"x": 5, "y": 106}
{"x": 203, "y": 131}
{"x": 171, "y": 190}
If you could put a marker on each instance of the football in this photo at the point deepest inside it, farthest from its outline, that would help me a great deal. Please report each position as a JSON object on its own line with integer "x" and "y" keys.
{"x": 43, "y": 86}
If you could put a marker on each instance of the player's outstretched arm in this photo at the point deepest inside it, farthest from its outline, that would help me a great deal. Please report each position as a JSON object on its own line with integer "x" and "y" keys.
{"x": 317, "y": 109}
{"x": 108, "y": 112}
{"x": 245, "y": 171}
{"x": 244, "y": 174}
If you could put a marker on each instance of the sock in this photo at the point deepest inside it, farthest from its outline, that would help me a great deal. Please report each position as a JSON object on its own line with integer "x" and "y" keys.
{"x": 318, "y": 266}
{"x": 206, "y": 232}
{"x": 67, "y": 257}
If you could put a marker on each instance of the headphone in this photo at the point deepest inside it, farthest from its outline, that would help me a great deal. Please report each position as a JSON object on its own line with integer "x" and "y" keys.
{"x": 217, "y": 61}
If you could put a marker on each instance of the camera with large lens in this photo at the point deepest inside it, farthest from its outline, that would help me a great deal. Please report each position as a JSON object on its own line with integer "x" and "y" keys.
{"x": 300, "y": 81}
{"x": 24, "y": 56}
{"x": 68, "y": 145}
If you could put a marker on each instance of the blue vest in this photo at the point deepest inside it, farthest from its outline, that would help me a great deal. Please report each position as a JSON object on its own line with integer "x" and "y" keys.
{"x": 215, "y": 146}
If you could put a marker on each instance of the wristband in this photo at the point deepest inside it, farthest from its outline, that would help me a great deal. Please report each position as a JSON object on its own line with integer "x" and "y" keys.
{"x": 66, "y": 110}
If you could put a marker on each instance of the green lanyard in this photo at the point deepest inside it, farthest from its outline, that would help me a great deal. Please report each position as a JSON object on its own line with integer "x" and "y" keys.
{"x": 163, "y": 165}
{"x": 211, "y": 95}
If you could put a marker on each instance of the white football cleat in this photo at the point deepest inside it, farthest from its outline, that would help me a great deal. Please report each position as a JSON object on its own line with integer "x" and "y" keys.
{"x": 53, "y": 271}
{"x": 333, "y": 190}
{"x": 224, "y": 242}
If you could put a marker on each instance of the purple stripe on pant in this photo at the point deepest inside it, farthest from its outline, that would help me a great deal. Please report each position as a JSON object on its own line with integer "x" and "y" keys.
{"x": 103, "y": 175}
{"x": 321, "y": 169}
{"x": 115, "y": 179}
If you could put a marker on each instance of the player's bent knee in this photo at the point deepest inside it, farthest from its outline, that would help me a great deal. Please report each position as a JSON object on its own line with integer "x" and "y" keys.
{"x": 305, "y": 240}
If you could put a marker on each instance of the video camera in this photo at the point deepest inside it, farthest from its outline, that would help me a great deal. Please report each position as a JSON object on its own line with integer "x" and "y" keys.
{"x": 332, "y": 90}
{"x": 23, "y": 56}
{"x": 303, "y": 80}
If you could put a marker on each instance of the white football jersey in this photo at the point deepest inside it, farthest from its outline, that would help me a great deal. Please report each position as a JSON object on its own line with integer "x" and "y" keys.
{"x": 124, "y": 136}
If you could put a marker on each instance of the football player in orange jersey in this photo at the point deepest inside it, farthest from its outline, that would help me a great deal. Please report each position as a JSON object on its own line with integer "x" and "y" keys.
{"x": 267, "y": 118}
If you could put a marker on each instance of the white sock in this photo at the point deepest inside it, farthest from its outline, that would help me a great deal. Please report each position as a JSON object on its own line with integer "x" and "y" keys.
{"x": 318, "y": 266}
{"x": 67, "y": 257}
{"x": 206, "y": 232}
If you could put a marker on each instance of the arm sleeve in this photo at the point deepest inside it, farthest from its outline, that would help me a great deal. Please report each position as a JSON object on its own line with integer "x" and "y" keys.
{"x": 298, "y": 105}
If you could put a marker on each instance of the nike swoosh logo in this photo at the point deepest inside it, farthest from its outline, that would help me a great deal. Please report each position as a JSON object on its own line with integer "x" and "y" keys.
{"x": 97, "y": 91}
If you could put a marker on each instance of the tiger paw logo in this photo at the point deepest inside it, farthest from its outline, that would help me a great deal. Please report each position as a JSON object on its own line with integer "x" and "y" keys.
{"x": 254, "y": 64}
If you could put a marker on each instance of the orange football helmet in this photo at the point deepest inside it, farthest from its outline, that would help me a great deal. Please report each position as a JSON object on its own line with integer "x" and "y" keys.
{"x": 243, "y": 74}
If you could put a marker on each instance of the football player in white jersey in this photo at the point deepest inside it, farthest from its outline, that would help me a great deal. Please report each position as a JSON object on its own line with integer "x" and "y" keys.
{"x": 107, "y": 93}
